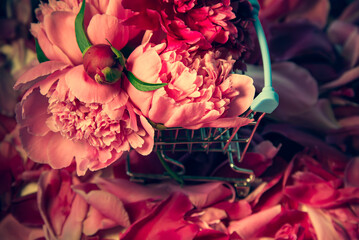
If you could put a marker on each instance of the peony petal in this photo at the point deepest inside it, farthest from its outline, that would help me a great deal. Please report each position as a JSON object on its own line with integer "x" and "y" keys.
{"x": 339, "y": 31}
{"x": 60, "y": 151}
{"x": 52, "y": 208}
{"x": 38, "y": 73}
{"x": 166, "y": 221}
{"x": 315, "y": 194}
{"x": 248, "y": 227}
{"x": 352, "y": 173}
{"x": 115, "y": 8}
{"x": 315, "y": 12}
{"x": 236, "y": 210}
{"x": 347, "y": 77}
{"x": 72, "y": 228}
{"x": 284, "y": 225}
{"x": 242, "y": 102}
{"x": 289, "y": 80}
{"x": 148, "y": 144}
{"x": 32, "y": 113}
{"x": 166, "y": 111}
{"x": 60, "y": 29}
{"x": 52, "y": 51}
{"x": 207, "y": 194}
{"x": 96, "y": 221}
{"x": 227, "y": 122}
{"x": 210, "y": 234}
{"x": 10, "y": 228}
{"x": 330, "y": 153}
{"x": 322, "y": 223}
{"x": 162, "y": 107}
{"x": 145, "y": 65}
{"x": 46, "y": 84}
{"x": 105, "y": 158}
{"x": 34, "y": 145}
{"x": 103, "y": 28}
{"x": 129, "y": 192}
{"x": 319, "y": 117}
{"x": 302, "y": 40}
{"x": 185, "y": 115}
{"x": 350, "y": 13}
{"x": 87, "y": 90}
{"x": 351, "y": 49}
{"x": 107, "y": 204}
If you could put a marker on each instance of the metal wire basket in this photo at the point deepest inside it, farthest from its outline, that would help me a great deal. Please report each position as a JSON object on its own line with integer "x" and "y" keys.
{"x": 210, "y": 140}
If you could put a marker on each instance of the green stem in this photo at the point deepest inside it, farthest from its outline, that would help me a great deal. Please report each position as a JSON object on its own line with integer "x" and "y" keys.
{"x": 172, "y": 173}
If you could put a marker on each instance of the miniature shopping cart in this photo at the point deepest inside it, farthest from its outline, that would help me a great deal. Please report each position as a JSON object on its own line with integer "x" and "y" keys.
{"x": 210, "y": 140}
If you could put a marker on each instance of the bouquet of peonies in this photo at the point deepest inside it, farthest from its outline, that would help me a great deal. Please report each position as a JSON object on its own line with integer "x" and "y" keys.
{"x": 111, "y": 71}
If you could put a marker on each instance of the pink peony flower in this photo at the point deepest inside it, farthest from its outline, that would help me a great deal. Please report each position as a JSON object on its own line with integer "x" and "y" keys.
{"x": 191, "y": 22}
{"x": 67, "y": 116}
{"x": 201, "y": 91}
{"x": 205, "y": 25}
{"x": 55, "y": 31}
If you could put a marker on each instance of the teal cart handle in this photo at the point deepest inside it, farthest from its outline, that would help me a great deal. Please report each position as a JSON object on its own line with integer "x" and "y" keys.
{"x": 267, "y": 100}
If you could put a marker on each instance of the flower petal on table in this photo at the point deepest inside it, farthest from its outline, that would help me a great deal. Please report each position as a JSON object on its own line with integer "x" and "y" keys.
{"x": 95, "y": 221}
{"x": 347, "y": 77}
{"x": 248, "y": 227}
{"x": 351, "y": 176}
{"x": 10, "y": 228}
{"x": 323, "y": 224}
{"x": 72, "y": 228}
{"x": 107, "y": 204}
{"x": 296, "y": 88}
{"x": 166, "y": 221}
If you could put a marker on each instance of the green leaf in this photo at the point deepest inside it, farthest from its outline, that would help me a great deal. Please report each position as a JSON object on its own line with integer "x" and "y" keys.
{"x": 118, "y": 54}
{"x": 81, "y": 37}
{"x": 40, "y": 54}
{"x": 112, "y": 75}
{"x": 170, "y": 172}
{"x": 143, "y": 86}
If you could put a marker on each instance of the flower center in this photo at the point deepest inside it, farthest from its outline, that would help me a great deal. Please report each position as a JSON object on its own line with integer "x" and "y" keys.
{"x": 80, "y": 121}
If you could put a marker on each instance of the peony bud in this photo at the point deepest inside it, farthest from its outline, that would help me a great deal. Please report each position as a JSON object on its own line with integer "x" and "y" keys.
{"x": 103, "y": 64}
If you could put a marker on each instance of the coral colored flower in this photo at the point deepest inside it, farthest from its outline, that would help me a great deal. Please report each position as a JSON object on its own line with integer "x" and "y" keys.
{"x": 201, "y": 91}
{"x": 55, "y": 31}
{"x": 67, "y": 116}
